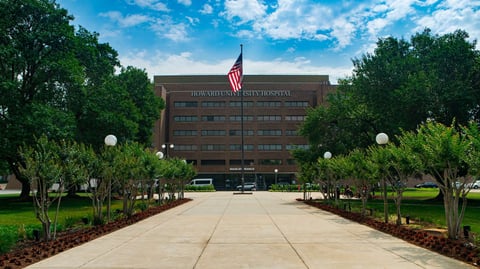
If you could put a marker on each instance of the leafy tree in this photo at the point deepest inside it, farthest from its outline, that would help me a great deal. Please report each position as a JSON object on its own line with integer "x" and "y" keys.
{"x": 147, "y": 104}
{"x": 42, "y": 169}
{"x": 48, "y": 163}
{"x": 402, "y": 165}
{"x": 308, "y": 174}
{"x": 397, "y": 87}
{"x": 59, "y": 82}
{"x": 37, "y": 63}
{"x": 444, "y": 153}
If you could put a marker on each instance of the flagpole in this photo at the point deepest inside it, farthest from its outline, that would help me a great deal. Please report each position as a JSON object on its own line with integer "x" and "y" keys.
{"x": 241, "y": 127}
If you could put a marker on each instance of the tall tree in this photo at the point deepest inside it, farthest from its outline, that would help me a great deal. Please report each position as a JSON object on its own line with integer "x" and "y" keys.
{"x": 397, "y": 87}
{"x": 36, "y": 64}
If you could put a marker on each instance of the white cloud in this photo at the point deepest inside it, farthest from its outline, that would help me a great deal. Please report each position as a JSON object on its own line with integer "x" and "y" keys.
{"x": 245, "y": 10}
{"x": 298, "y": 19}
{"x": 453, "y": 15}
{"x": 183, "y": 64}
{"x": 185, "y": 2}
{"x": 127, "y": 21}
{"x": 166, "y": 28}
{"x": 151, "y": 4}
{"x": 206, "y": 9}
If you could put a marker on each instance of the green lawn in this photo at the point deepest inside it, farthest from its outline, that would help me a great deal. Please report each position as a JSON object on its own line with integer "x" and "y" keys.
{"x": 15, "y": 212}
{"x": 420, "y": 205}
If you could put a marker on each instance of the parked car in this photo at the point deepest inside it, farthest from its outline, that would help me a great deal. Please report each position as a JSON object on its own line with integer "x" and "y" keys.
{"x": 247, "y": 186}
{"x": 474, "y": 185}
{"x": 427, "y": 185}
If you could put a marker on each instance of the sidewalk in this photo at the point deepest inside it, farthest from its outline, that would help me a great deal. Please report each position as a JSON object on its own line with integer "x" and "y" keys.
{"x": 261, "y": 230}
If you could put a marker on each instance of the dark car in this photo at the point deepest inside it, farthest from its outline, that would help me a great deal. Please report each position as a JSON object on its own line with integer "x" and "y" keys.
{"x": 247, "y": 186}
{"x": 426, "y": 185}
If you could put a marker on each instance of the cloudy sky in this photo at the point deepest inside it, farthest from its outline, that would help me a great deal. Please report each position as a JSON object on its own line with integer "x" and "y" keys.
{"x": 192, "y": 37}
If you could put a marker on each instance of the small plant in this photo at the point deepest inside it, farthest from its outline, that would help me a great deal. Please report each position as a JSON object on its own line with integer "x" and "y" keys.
{"x": 8, "y": 238}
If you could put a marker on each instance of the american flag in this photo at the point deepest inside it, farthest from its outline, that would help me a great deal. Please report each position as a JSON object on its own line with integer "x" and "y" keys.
{"x": 235, "y": 75}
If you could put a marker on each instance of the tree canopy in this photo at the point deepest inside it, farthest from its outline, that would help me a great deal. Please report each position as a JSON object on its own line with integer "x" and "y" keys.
{"x": 398, "y": 86}
{"x": 60, "y": 82}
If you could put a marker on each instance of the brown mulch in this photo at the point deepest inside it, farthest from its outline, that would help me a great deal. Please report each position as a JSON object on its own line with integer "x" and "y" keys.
{"x": 460, "y": 249}
{"x": 33, "y": 251}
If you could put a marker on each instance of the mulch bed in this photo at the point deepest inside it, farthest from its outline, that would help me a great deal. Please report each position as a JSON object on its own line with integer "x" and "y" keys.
{"x": 462, "y": 250}
{"x": 34, "y": 251}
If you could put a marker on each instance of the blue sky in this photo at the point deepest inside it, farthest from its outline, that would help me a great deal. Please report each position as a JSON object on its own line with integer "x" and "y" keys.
{"x": 193, "y": 37}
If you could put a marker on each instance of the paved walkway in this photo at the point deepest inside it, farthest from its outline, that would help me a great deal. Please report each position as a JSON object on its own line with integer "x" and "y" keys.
{"x": 261, "y": 230}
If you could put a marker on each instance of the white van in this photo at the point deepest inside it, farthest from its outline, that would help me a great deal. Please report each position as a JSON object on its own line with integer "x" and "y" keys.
{"x": 201, "y": 182}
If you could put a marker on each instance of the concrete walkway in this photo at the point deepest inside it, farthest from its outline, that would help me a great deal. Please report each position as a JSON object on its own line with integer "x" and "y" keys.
{"x": 261, "y": 230}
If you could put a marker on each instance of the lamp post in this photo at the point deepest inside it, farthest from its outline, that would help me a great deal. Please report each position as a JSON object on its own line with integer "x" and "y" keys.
{"x": 110, "y": 141}
{"x": 276, "y": 173}
{"x": 382, "y": 139}
{"x": 166, "y": 146}
{"x": 328, "y": 155}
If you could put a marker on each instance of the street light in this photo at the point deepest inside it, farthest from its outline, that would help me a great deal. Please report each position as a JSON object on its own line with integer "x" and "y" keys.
{"x": 276, "y": 172}
{"x": 110, "y": 141}
{"x": 166, "y": 146}
{"x": 327, "y": 155}
{"x": 382, "y": 139}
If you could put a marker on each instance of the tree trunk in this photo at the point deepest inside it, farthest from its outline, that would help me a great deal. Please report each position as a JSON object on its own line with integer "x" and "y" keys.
{"x": 25, "y": 193}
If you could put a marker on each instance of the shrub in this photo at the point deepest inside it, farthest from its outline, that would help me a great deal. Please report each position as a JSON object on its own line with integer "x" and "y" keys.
{"x": 199, "y": 188}
{"x": 8, "y": 237}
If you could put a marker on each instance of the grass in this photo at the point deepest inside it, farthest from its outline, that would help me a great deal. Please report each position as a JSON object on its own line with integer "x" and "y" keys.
{"x": 421, "y": 207}
{"x": 15, "y": 212}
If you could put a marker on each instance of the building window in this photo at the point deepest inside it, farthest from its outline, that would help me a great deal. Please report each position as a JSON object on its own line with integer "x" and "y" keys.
{"x": 185, "y": 147}
{"x": 269, "y": 103}
{"x": 269, "y": 132}
{"x": 239, "y": 118}
{"x": 239, "y": 132}
{"x": 292, "y": 147}
{"x": 185, "y": 133}
{"x": 213, "y": 147}
{"x": 212, "y": 162}
{"x": 213, "y": 103}
{"x": 270, "y": 147}
{"x": 238, "y": 147}
{"x": 270, "y": 162}
{"x": 185, "y": 104}
{"x": 213, "y": 118}
{"x": 296, "y": 103}
{"x": 214, "y": 132}
{"x": 239, "y": 162}
{"x": 185, "y": 118}
{"x": 269, "y": 118}
{"x": 291, "y": 133}
{"x": 239, "y": 103}
{"x": 295, "y": 118}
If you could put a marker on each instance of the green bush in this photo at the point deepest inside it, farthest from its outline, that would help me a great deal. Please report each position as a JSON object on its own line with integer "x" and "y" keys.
{"x": 8, "y": 237}
{"x": 199, "y": 188}
{"x": 142, "y": 206}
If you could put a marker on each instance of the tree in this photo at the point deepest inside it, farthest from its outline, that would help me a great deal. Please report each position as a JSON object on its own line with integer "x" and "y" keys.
{"x": 42, "y": 169}
{"x": 445, "y": 155}
{"x": 35, "y": 47}
{"x": 403, "y": 165}
{"x": 397, "y": 87}
{"x": 147, "y": 104}
{"x": 48, "y": 163}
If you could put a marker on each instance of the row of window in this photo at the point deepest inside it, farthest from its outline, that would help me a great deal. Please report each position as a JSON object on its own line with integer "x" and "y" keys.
{"x": 238, "y": 147}
{"x": 273, "y": 132}
{"x": 246, "y": 162}
{"x": 179, "y": 104}
{"x": 220, "y": 118}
